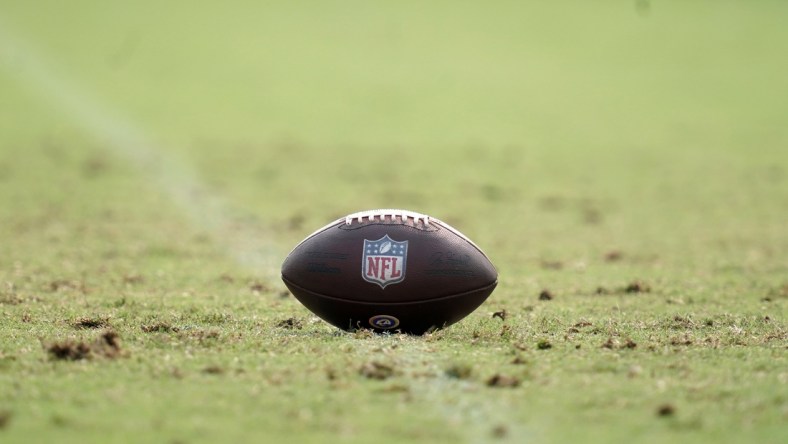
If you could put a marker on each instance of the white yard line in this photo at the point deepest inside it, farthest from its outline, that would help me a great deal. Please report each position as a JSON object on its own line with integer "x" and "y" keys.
{"x": 469, "y": 407}
{"x": 245, "y": 243}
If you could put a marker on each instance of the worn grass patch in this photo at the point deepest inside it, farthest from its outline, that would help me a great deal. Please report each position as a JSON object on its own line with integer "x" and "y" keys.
{"x": 622, "y": 163}
{"x": 106, "y": 345}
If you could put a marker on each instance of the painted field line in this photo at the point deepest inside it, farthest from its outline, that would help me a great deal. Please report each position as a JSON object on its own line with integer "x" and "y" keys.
{"x": 469, "y": 407}
{"x": 242, "y": 241}
{"x": 473, "y": 416}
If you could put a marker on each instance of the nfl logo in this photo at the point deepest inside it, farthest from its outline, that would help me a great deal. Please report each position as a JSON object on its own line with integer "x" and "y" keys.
{"x": 383, "y": 262}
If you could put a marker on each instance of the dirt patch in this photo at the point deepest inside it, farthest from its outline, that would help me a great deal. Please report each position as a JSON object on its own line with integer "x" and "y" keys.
{"x": 519, "y": 360}
{"x": 684, "y": 340}
{"x": 90, "y": 323}
{"x": 546, "y": 295}
{"x": 503, "y": 381}
{"x": 634, "y": 287}
{"x": 500, "y": 315}
{"x": 259, "y": 287}
{"x": 376, "y": 370}
{"x": 290, "y": 324}
{"x": 683, "y": 323}
{"x": 780, "y": 336}
{"x": 69, "y": 350}
{"x": 107, "y": 345}
{"x": 159, "y": 327}
{"x": 9, "y": 296}
{"x": 666, "y": 410}
{"x": 500, "y": 431}
{"x": 213, "y": 370}
{"x": 575, "y": 329}
{"x": 582, "y": 324}
{"x": 613, "y": 256}
{"x": 331, "y": 374}
{"x": 395, "y": 388}
{"x": 200, "y": 335}
{"x": 58, "y": 284}
{"x": 506, "y": 331}
{"x": 460, "y": 371}
{"x": 544, "y": 344}
{"x": 5, "y": 418}
{"x": 10, "y": 299}
{"x": 637, "y": 287}
{"x": 614, "y": 344}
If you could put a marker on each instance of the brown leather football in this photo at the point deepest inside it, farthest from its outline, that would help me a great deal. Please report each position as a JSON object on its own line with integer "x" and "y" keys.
{"x": 389, "y": 270}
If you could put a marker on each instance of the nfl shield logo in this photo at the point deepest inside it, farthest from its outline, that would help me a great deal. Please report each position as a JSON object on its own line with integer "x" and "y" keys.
{"x": 383, "y": 262}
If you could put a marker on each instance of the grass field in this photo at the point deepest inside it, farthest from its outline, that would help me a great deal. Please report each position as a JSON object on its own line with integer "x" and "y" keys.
{"x": 627, "y": 159}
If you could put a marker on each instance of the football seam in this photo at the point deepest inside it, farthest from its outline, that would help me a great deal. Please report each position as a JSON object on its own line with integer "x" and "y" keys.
{"x": 315, "y": 233}
{"x": 434, "y": 227}
{"x": 463, "y": 237}
{"x": 335, "y": 224}
{"x": 289, "y": 282}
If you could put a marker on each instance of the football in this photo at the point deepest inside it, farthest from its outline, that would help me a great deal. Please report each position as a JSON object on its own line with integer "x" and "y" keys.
{"x": 389, "y": 270}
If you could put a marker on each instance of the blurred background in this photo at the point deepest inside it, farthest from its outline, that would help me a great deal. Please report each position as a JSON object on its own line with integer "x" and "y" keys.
{"x": 158, "y": 159}
{"x": 564, "y": 128}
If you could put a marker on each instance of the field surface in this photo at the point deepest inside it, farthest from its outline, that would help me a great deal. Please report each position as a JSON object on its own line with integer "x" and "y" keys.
{"x": 623, "y": 163}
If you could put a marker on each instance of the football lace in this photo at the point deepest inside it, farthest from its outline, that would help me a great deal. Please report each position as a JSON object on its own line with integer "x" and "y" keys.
{"x": 382, "y": 214}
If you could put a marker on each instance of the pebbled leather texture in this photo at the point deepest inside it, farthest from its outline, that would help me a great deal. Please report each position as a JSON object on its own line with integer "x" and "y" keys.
{"x": 444, "y": 276}
{"x": 439, "y": 263}
{"x": 416, "y": 317}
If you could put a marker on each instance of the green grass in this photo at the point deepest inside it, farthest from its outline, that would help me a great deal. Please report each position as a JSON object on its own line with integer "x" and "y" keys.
{"x": 553, "y": 134}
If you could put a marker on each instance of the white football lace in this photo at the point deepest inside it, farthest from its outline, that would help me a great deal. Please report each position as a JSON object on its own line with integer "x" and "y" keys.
{"x": 381, "y": 214}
